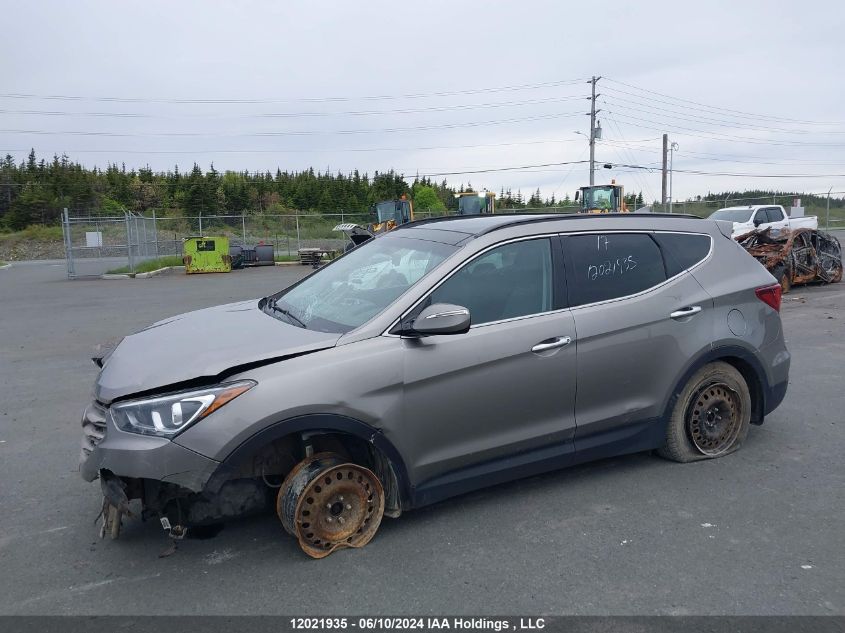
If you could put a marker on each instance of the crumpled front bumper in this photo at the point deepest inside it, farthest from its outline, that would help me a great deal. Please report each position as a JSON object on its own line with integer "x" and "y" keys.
{"x": 132, "y": 455}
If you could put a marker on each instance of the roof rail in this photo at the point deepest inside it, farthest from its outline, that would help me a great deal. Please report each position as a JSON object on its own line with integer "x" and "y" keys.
{"x": 524, "y": 218}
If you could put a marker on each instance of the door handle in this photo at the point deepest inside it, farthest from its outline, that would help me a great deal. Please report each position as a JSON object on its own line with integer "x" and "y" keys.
{"x": 685, "y": 312}
{"x": 554, "y": 343}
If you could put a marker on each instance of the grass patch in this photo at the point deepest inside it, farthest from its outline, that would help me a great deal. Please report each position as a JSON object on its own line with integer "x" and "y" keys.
{"x": 34, "y": 232}
{"x": 2, "y": 263}
{"x": 286, "y": 258}
{"x": 148, "y": 265}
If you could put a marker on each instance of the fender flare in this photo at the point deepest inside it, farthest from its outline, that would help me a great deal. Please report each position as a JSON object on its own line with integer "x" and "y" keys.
{"x": 319, "y": 422}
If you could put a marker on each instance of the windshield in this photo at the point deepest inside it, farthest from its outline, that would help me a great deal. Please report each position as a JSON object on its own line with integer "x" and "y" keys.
{"x": 359, "y": 286}
{"x": 599, "y": 198}
{"x": 732, "y": 215}
{"x": 386, "y": 211}
{"x": 472, "y": 205}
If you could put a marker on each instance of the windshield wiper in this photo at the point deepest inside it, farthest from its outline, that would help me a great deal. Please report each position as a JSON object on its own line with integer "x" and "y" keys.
{"x": 290, "y": 315}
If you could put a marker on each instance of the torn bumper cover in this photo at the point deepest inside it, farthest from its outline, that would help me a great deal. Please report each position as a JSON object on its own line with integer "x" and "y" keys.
{"x": 105, "y": 447}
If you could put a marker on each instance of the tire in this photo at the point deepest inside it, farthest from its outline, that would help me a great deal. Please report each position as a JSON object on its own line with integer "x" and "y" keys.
{"x": 781, "y": 274}
{"x": 710, "y": 417}
{"x": 328, "y": 504}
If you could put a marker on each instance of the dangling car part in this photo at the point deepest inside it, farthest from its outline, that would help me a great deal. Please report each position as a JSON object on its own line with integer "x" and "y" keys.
{"x": 328, "y": 503}
{"x": 388, "y": 215}
{"x": 798, "y": 256}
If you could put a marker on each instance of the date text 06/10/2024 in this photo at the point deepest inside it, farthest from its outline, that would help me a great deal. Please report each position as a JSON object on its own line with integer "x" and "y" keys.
{"x": 417, "y": 623}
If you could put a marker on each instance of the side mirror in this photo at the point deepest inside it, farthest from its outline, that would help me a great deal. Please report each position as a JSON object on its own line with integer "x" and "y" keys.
{"x": 442, "y": 318}
{"x": 577, "y": 193}
{"x": 757, "y": 221}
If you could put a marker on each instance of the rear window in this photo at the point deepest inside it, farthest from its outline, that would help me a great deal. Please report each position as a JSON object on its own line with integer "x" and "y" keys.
{"x": 682, "y": 250}
{"x": 612, "y": 265}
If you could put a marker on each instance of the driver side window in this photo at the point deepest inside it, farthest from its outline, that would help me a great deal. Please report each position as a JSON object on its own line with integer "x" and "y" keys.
{"x": 760, "y": 217}
{"x": 509, "y": 281}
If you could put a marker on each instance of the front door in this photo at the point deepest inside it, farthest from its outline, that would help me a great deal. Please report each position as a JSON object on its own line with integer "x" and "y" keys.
{"x": 481, "y": 405}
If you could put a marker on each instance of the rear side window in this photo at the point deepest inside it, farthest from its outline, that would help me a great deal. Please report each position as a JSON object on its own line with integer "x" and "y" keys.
{"x": 774, "y": 214}
{"x": 612, "y": 265}
{"x": 682, "y": 250}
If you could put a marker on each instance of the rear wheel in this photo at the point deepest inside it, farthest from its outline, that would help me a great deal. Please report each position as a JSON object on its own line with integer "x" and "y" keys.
{"x": 711, "y": 415}
{"x": 328, "y": 503}
{"x": 783, "y": 277}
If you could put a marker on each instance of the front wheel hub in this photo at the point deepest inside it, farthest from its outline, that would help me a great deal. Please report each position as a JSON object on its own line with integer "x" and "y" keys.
{"x": 328, "y": 504}
{"x": 714, "y": 418}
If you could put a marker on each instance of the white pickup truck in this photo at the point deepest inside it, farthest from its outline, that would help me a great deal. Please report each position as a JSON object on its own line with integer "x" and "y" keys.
{"x": 763, "y": 216}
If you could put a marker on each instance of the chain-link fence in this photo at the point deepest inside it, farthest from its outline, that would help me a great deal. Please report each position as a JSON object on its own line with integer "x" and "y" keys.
{"x": 96, "y": 244}
{"x": 286, "y": 233}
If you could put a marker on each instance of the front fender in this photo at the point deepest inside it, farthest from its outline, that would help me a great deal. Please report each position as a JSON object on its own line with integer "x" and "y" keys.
{"x": 321, "y": 423}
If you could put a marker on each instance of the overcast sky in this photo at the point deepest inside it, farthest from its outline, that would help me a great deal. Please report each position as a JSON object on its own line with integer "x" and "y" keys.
{"x": 431, "y": 87}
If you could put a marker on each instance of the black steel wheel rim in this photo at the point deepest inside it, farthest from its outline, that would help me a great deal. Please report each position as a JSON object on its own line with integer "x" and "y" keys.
{"x": 714, "y": 418}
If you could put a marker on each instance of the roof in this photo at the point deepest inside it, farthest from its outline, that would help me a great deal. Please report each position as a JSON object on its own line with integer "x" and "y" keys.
{"x": 749, "y": 207}
{"x": 474, "y": 225}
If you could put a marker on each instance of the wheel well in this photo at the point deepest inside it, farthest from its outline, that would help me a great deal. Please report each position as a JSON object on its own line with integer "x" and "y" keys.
{"x": 752, "y": 379}
{"x": 274, "y": 460}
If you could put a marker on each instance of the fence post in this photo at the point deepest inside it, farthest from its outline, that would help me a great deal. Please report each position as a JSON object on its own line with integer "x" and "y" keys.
{"x": 298, "y": 241}
{"x": 71, "y": 271}
{"x": 129, "y": 243}
{"x": 155, "y": 233}
{"x": 200, "y": 216}
{"x": 146, "y": 245}
{"x": 243, "y": 224}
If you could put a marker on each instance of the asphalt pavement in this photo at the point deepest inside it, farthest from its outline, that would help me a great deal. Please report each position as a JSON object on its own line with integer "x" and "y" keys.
{"x": 757, "y": 532}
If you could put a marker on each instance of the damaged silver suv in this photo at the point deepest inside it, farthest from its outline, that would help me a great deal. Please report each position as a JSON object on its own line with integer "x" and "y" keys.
{"x": 442, "y": 357}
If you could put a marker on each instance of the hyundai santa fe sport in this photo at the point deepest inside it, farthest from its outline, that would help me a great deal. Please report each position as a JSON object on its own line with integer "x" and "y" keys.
{"x": 442, "y": 357}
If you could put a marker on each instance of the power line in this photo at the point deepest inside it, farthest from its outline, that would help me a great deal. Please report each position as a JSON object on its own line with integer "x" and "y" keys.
{"x": 309, "y": 150}
{"x": 727, "y": 158}
{"x": 735, "y": 112}
{"x": 638, "y": 177}
{"x": 685, "y": 131}
{"x": 515, "y": 168}
{"x": 665, "y": 112}
{"x": 697, "y": 172}
{"x": 444, "y": 126}
{"x": 417, "y": 95}
{"x": 287, "y": 115}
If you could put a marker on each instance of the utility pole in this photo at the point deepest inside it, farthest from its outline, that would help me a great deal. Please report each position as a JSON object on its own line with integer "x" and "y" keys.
{"x": 827, "y": 217}
{"x": 672, "y": 149}
{"x": 663, "y": 175}
{"x": 593, "y": 131}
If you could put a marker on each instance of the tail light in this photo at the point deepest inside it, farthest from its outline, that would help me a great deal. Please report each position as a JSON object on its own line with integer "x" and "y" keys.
{"x": 770, "y": 295}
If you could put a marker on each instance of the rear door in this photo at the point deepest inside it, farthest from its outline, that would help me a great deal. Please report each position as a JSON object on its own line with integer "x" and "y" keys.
{"x": 480, "y": 404}
{"x": 639, "y": 317}
{"x": 776, "y": 218}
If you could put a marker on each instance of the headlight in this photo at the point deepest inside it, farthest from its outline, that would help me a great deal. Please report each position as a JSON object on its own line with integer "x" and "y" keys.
{"x": 166, "y": 416}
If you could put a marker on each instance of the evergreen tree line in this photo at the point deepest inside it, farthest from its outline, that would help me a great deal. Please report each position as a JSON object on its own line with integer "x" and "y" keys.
{"x": 35, "y": 192}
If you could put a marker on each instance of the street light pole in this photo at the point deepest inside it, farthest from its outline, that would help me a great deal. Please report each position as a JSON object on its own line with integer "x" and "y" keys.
{"x": 672, "y": 149}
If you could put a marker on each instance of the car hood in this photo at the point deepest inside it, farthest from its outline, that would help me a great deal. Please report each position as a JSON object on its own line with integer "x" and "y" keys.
{"x": 201, "y": 345}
